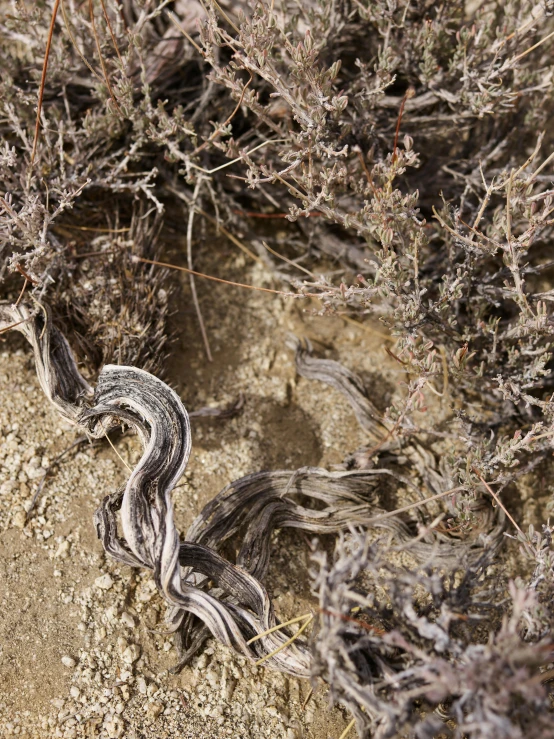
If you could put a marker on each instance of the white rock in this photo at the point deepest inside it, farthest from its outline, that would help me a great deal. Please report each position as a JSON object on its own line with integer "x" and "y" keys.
{"x": 8, "y": 487}
{"x": 63, "y": 549}
{"x": 128, "y": 620}
{"x": 154, "y": 709}
{"x": 114, "y": 726}
{"x": 111, "y": 614}
{"x": 131, "y": 654}
{"x": 68, "y": 661}
{"x": 229, "y": 688}
{"x": 213, "y": 678}
{"x": 104, "y": 582}
{"x": 19, "y": 519}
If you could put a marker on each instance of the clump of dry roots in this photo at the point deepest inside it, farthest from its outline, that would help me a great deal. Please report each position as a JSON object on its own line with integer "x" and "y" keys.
{"x": 395, "y": 644}
{"x": 207, "y": 594}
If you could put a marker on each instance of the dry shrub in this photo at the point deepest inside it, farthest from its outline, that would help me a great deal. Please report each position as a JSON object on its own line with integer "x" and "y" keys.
{"x": 407, "y": 145}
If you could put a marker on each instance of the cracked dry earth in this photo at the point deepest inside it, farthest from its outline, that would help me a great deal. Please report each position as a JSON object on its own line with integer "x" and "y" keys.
{"x": 82, "y": 647}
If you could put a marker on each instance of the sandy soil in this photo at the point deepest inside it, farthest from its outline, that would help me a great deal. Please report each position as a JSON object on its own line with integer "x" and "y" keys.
{"x": 82, "y": 649}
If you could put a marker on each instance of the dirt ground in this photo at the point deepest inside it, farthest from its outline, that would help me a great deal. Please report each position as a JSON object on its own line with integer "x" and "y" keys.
{"x": 82, "y": 648}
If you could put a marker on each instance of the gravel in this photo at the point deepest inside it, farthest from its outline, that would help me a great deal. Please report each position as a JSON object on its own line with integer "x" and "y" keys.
{"x": 83, "y": 651}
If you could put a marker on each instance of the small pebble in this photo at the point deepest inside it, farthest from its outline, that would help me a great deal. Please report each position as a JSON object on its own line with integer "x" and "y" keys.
{"x": 131, "y": 654}
{"x": 19, "y": 519}
{"x": 154, "y": 709}
{"x": 68, "y": 661}
{"x": 128, "y": 620}
{"x": 104, "y": 582}
{"x": 114, "y": 727}
{"x": 63, "y": 550}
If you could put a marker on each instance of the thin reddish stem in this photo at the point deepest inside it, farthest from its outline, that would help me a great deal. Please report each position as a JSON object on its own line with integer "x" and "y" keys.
{"x": 112, "y": 34}
{"x": 225, "y": 282}
{"x": 43, "y": 78}
{"x": 410, "y": 92}
{"x": 104, "y": 70}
